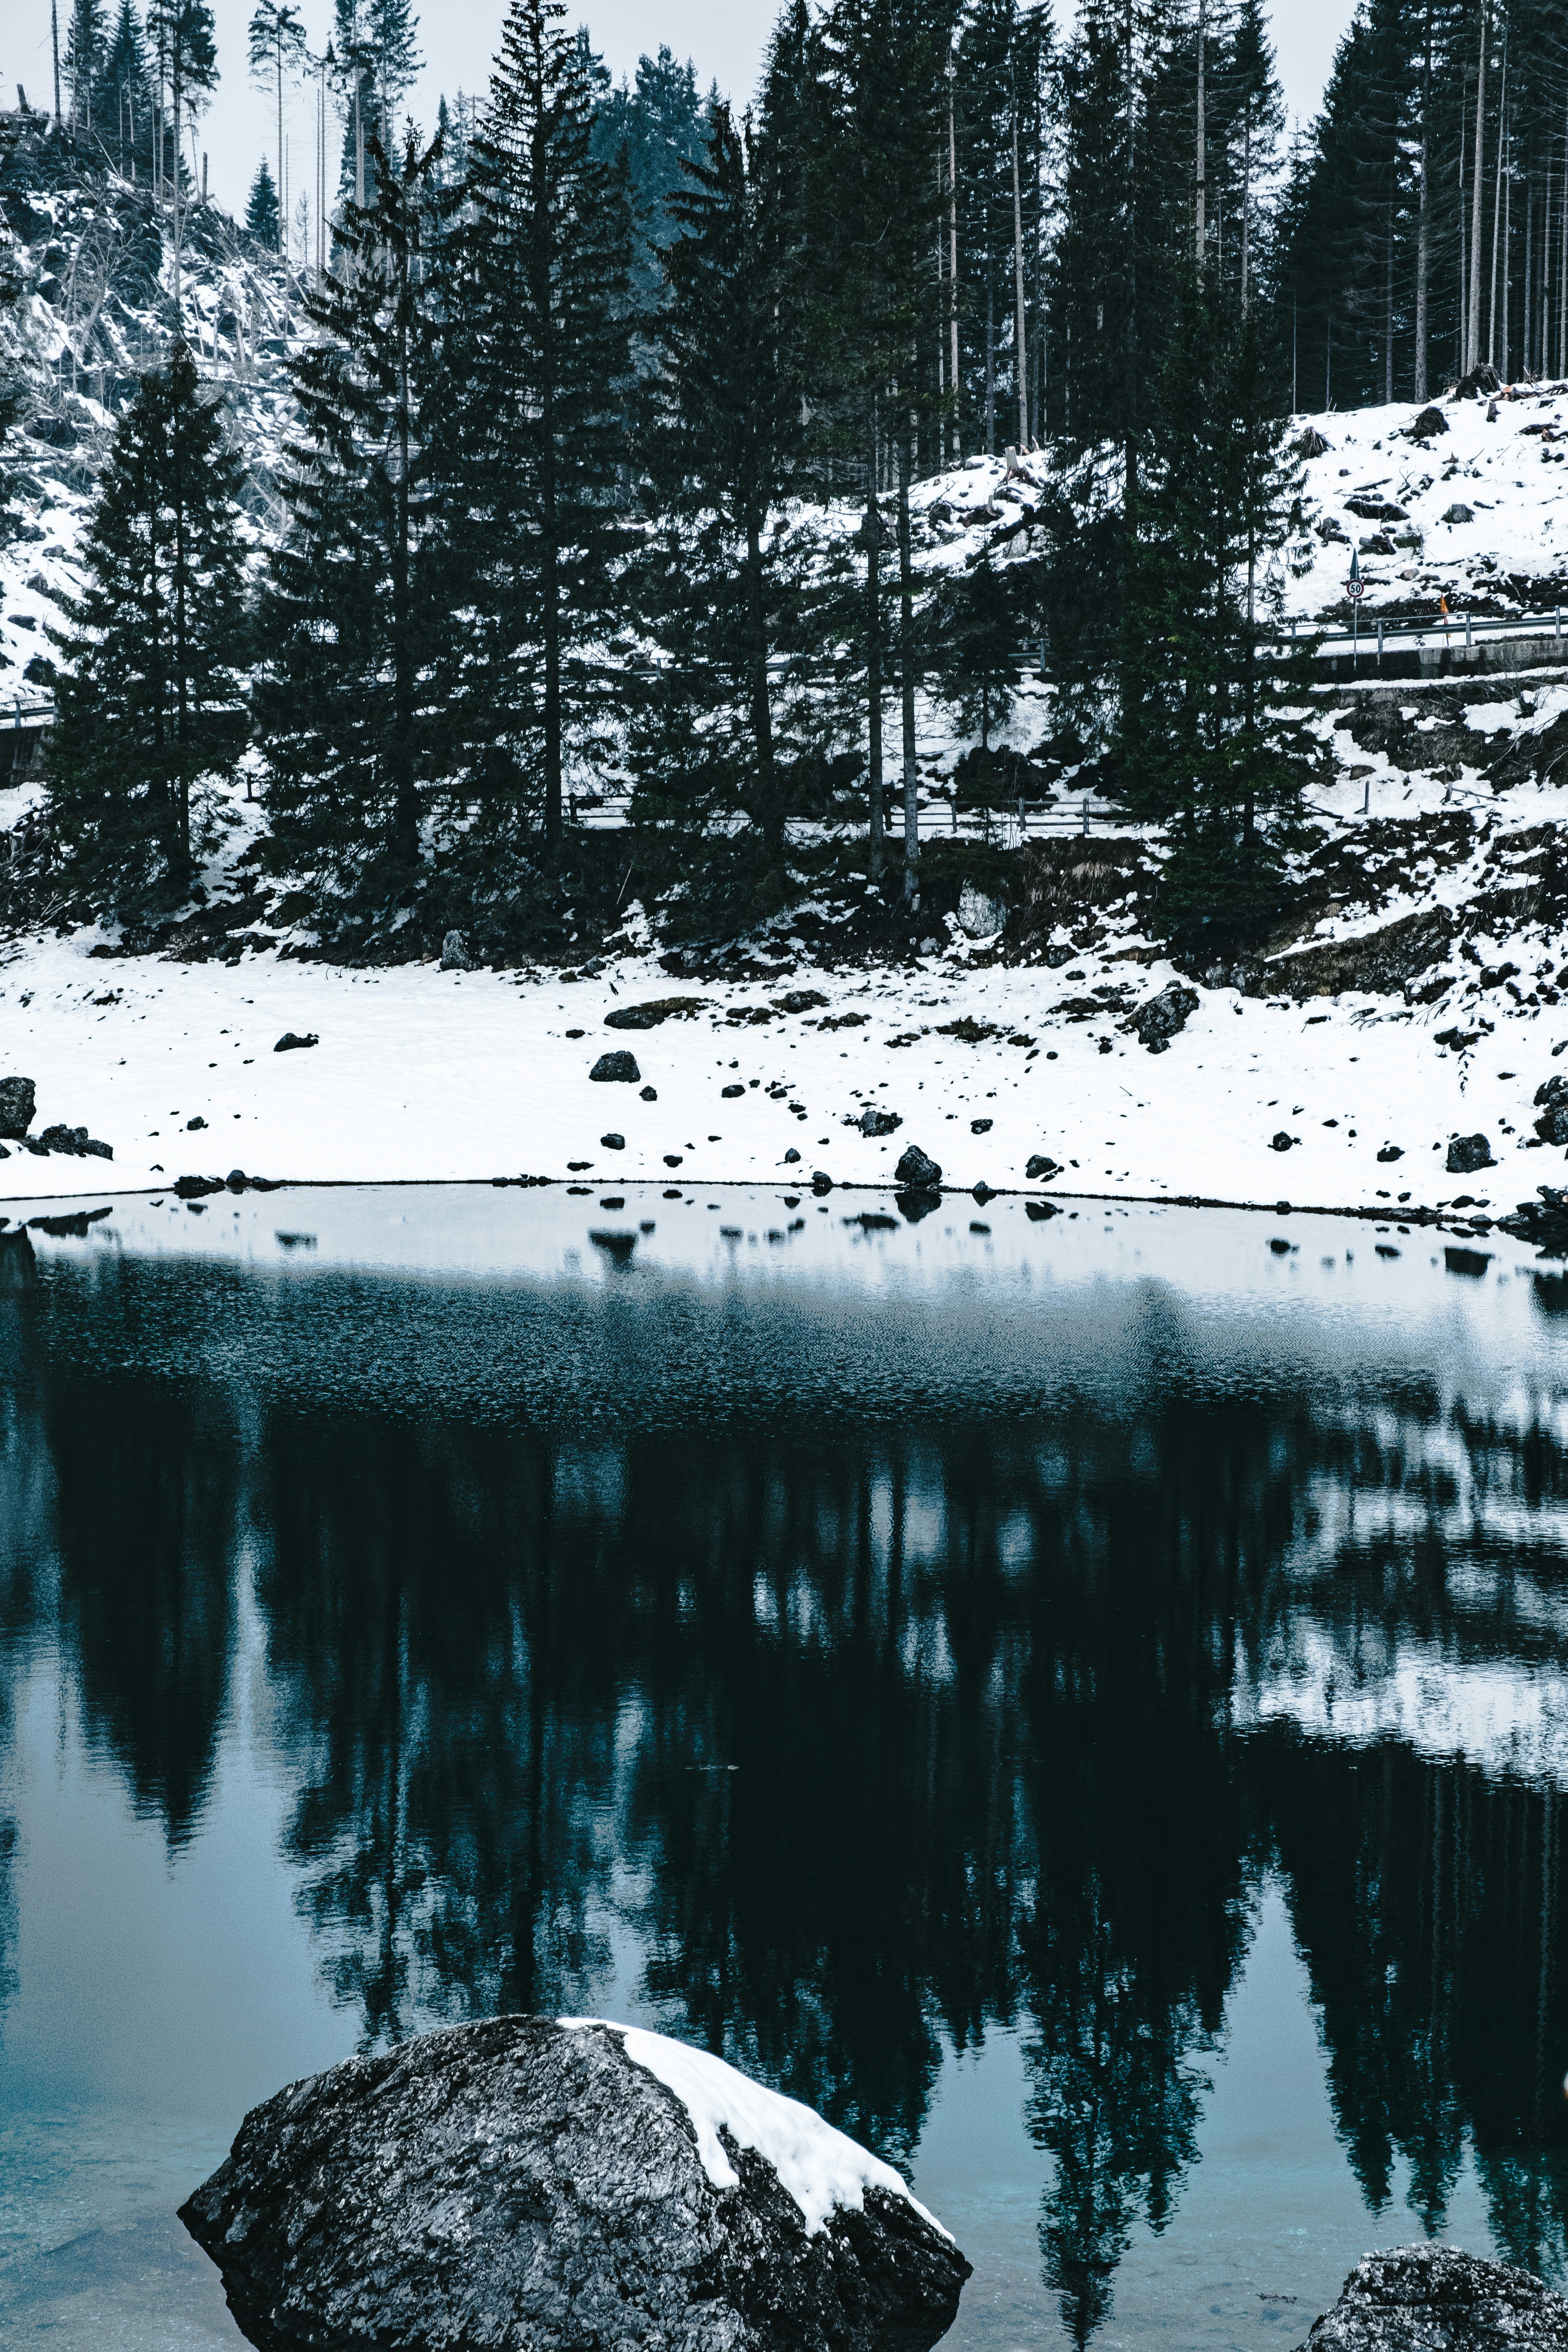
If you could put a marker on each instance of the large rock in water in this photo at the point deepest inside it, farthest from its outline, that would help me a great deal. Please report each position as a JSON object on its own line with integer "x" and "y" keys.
{"x": 526, "y": 2185}
{"x": 1435, "y": 2299}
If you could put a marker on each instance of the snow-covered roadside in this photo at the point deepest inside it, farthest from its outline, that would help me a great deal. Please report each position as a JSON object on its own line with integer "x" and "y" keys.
{"x": 422, "y": 1074}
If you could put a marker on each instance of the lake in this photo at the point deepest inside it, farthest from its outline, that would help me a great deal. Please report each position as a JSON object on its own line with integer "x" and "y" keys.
{"x": 1081, "y": 1699}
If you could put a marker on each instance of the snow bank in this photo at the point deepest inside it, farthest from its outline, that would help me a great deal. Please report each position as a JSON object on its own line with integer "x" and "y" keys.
{"x": 819, "y": 2166}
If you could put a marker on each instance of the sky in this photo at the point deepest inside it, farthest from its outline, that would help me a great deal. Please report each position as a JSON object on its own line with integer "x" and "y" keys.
{"x": 725, "y": 42}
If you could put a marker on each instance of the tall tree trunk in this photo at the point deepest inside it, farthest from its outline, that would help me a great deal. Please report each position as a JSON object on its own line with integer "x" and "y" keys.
{"x": 873, "y": 530}
{"x": 952, "y": 260}
{"x": 770, "y": 808}
{"x": 1201, "y": 159}
{"x": 1020, "y": 344}
{"x": 990, "y": 359}
{"x": 1473, "y": 311}
{"x": 182, "y": 632}
{"x": 406, "y": 810}
{"x": 907, "y": 672}
{"x": 1497, "y": 217}
{"x": 177, "y": 79}
{"x": 1246, "y": 204}
{"x": 1388, "y": 309}
{"x": 1424, "y": 223}
{"x": 1528, "y": 274}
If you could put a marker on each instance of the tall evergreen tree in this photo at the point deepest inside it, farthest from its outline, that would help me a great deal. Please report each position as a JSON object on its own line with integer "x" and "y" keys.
{"x": 148, "y": 685}
{"x": 86, "y": 43}
{"x": 661, "y": 122}
{"x": 277, "y": 47}
{"x": 351, "y": 622}
{"x": 186, "y": 37}
{"x": 124, "y": 105}
{"x": 534, "y": 434}
{"x": 262, "y": 211}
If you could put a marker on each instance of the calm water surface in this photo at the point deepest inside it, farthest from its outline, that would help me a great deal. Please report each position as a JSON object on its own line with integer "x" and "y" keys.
{"x": 1083, "y": 1703}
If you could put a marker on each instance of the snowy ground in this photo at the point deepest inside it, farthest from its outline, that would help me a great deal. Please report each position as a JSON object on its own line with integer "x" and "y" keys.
{"x": 422, "y": 1074}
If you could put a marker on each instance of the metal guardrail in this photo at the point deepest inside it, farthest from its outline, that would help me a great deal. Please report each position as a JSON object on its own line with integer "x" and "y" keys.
{"x": 1458, "y": 629}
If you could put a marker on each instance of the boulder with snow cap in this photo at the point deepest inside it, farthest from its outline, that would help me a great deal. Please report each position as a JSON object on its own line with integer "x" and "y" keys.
{"x": 1163, "y": 1016}
{"x": 979, "y": 917}
{"x": 563, "y": 2185}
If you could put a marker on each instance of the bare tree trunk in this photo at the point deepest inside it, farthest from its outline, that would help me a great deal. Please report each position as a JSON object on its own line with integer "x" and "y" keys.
{"x": 1424, "y": 223}
{"x": 1497, "y": 216}
{"x": 1388, "y": 311}
{"x": 1020, "y": 344}
{"x": 1505, "y": 339}
{"x": 906, "y": 672}
{"x": 1246, "y": 203}
{"x": 55, "y": 37}
{"x": 873, "y": 530}
{"x": 953, "y": 256}
{"x": 1473, "y": 308}
{"x": 990, "y": 361}
{"x": 1201, "y": 163}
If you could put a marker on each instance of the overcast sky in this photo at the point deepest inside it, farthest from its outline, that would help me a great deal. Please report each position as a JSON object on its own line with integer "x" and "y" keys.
{"x": 724, "y": 39}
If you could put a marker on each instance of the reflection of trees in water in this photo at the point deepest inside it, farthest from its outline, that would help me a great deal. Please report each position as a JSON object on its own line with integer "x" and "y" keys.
{"x": 976, "y": 1686}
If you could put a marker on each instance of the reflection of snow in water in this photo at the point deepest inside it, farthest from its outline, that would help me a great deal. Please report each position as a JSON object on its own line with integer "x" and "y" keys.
{"x": 1502, "y": 1714}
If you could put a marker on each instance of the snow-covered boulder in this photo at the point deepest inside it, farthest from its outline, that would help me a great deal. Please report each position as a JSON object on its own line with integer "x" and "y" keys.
{"x": 1164, "y": 1016}
{"x": 1435, "y": 2299}
{"x": 979, "y": 917}
{"x": 547, "y": 2184}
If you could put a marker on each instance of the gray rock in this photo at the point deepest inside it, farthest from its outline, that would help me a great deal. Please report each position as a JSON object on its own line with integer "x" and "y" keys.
{"x": 1551, "y": 1101}
{"x": 519, "y": 2184}
{"x": 1468, "y": 1153}
{"x": 613, "y": 1142}
{"x": 1281, "y": 1142}
{"x": 192, "y": 1125}
{"x": 980, "y": 1127}
{"x": 917, "y": 1170}
{"x": 290, "y": 1044}
{"x": 1155, "y": 1023}
{"x": 1458, "y": 512}
{"x": 874, "y": 1121}
{"x": 1039, "y": 1165}
{"x": 454, "y": 952}
{"x": 979, "y": 917}
{"x": 75, "y": 1141}
{"x": 821, "y": 1182}
{"x": 791, "y": 1156}
{"x": 615, "y": 1069}
{"x": 1434, "y": 2299}
{"x": 649, "y": 1015}
{"x": 18, "y": 1100}
{"x": 1428, "y": 425}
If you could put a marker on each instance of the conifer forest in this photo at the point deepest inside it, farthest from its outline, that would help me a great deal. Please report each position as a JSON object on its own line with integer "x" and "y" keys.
{"x": 611, "y": 408}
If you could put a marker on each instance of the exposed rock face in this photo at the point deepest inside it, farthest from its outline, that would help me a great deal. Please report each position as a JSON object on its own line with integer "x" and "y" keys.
{"x": 1434, "y": 2299}
{"x": 454, "y": 952}
{"x": 1378, "y": 964}
{"x": 533, "y": 2186}
{"x": 1155, "y": 1023}
{"x": 18, "y": 1103}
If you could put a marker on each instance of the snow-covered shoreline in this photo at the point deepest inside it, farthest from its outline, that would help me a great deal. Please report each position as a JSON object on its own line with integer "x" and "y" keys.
{"x": 425, "y": 1075}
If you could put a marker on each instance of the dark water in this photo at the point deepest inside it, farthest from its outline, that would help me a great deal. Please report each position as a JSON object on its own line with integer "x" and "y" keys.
{"x": 1083, "y": 1705}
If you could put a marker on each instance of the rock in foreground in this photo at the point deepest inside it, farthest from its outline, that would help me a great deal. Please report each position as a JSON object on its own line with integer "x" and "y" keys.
{"x": 529, "y": 2186}
{"x": 1434, "y": 2299}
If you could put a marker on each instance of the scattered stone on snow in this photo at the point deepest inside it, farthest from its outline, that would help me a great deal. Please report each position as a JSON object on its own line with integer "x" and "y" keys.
{"x": 1468, "y": 1153}
{"x": 613, "y": 1142}
{"x": 454, "y": 952}
{"x": 917, "y": 1170}
{"x": 800, "y": 1000}
{"x": 656, "y": 1009}
{"x": 650, "y": 1094}
{"x": 980, "y": 1125}
{"x": 564, "y": 2184}
{"x": 1038, "y": 1166}
{"x": 873, "y": 1120}
{"x": 1428, "y": 425}
{"x": 1458, "y": 512}
{"x": 192, "y": 1125}
{"x": 728, "y": 1093}
{"x": 18, "y": 1102}
{"x": 1389, "y": 1153}
{"x": 75, "y": 1141}
{"x": 821, "y": 1182}
{"x": 979, "y": 917}
{"x": 1281, "y": 1142}
{"x": 290, "y": 1044}
{"x": 615, "y": 1069}
{"x": 1428, "y": 2298}
{"x": 1163, "y": 1016}
{"x": 791, "y": 1156}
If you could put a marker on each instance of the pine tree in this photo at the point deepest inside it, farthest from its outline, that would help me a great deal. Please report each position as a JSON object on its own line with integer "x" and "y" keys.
{"x": 730, "y": 340}
{"x": 978, "y": 646}
{"x": 186, "y": 39}
{"x": 123, "y": 112}
{"x": 277, "y": 46}
{"x": 659, "y": 122}
{"x": 148, "y": 689}
{"x": 534, "y": 436}
{"x": 261, "y": 212}
{"x": 1209, "y": 738}
{"x": 85, "y": 49}
{"x": 351, "y": 624}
